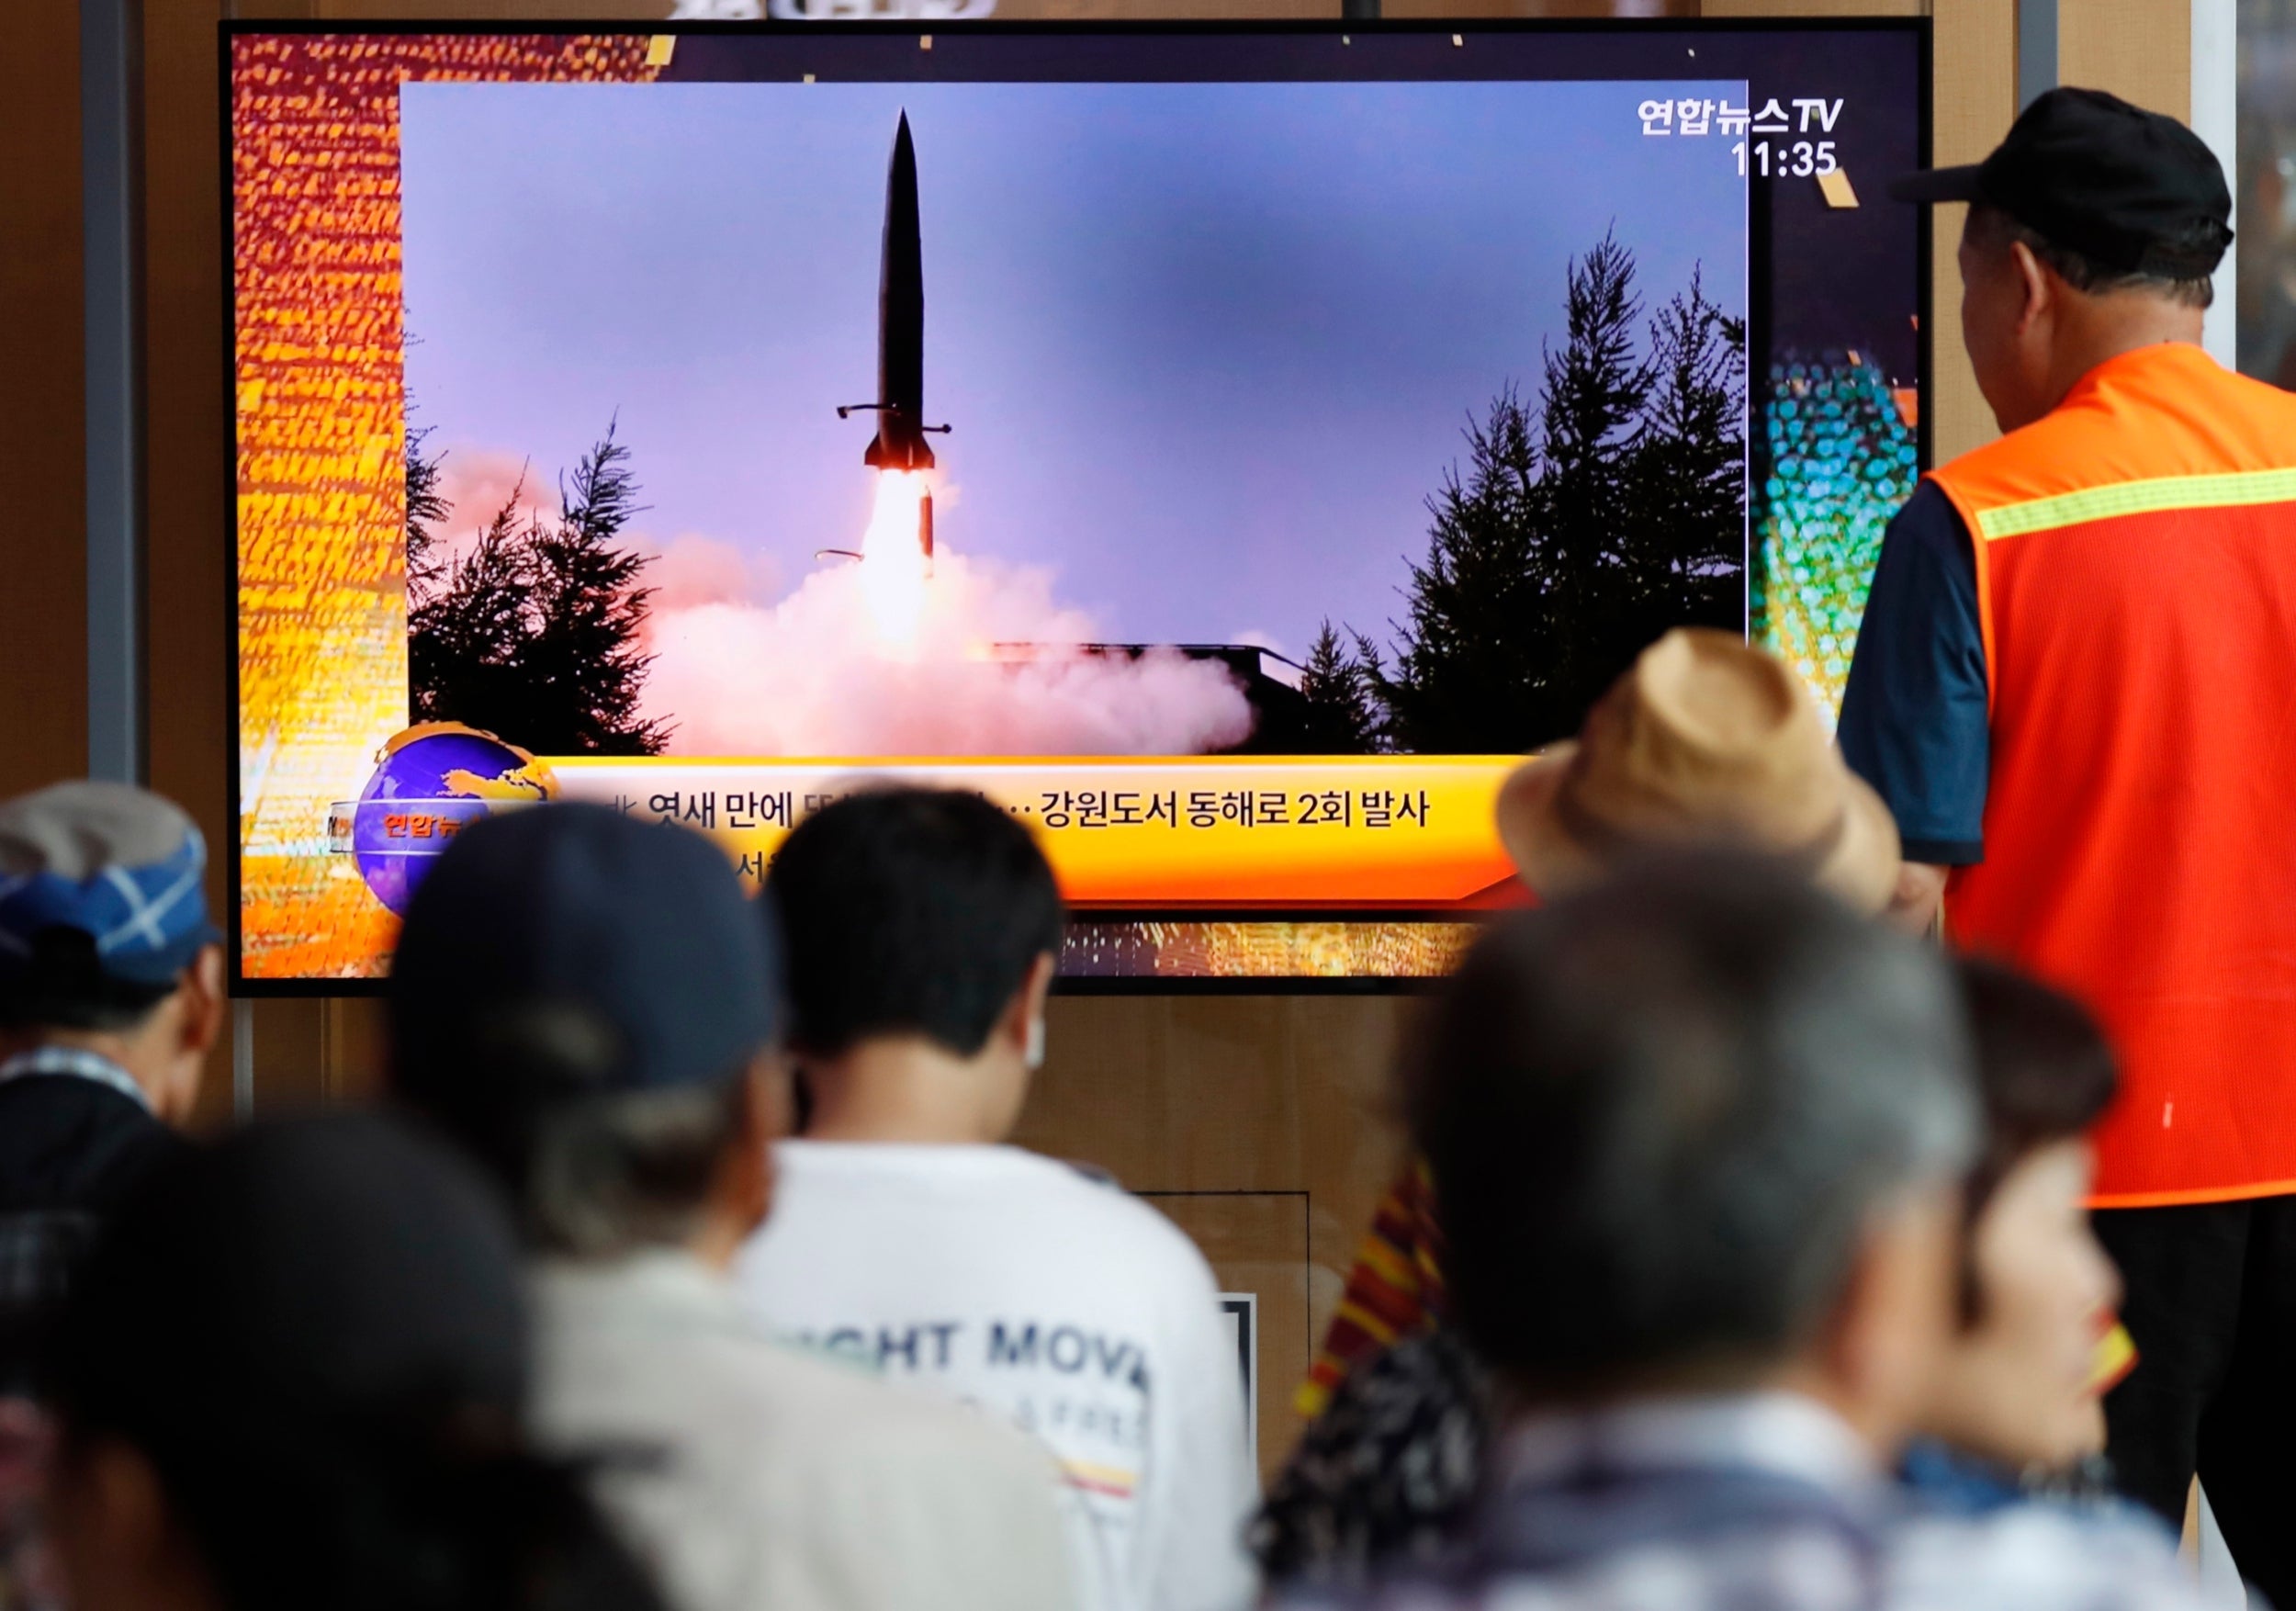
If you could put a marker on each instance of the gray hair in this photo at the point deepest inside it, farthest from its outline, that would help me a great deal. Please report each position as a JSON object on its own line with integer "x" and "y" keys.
{"x": 1661, "y": 1114}
{"x": 594, "y": 1170}
{"x": 1989, "y": 228}
{"x": 609, "y": 1175}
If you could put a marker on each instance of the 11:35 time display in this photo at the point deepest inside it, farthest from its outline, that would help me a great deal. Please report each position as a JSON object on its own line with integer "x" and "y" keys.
{"x": 1780, "y": 160}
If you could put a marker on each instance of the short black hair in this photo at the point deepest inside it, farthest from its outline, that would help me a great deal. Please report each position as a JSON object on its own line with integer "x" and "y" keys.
{"x": 2046, "y": 1072}
{"x": 63, "y": 986}
{"x": 910, "y": 911}
{"x": 1991, "y": 229}
{"x": 1658, "y": 1111}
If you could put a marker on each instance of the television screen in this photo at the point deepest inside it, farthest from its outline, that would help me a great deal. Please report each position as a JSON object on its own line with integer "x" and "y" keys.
{"x": 1228, "y": 448}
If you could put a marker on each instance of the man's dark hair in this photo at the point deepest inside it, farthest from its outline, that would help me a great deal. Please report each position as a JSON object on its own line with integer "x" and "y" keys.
{"x": 2046, "y": 1072}
{"x": 1990, "y": 228}
{"x": 1659, "y": 1111}
{"x": 63, "y": 986}
{"x": 910, "y": 911}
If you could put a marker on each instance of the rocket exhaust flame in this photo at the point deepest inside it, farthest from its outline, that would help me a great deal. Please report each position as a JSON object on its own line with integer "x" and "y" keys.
{"x": 895, "y": 557}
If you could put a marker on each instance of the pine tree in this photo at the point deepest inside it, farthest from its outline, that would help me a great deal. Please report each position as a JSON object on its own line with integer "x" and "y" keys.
{"x": 426, "y": 506}
{"x": 1582, "y": 529}
{"x": 1340, "y": 717}
{"x": 1476, "y": 655}
{"x": 1687, "y": 528}
{"x": 535, "y": 632}
{"x": 1590, "y": 409}
{"x": 585, "y": 659}
{"x": 466, "y": 622}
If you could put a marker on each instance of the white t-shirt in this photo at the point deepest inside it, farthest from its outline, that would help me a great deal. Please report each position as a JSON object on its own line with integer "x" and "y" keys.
{"x": 1078, "y": 1312}
{"x": 785, "y": 1483}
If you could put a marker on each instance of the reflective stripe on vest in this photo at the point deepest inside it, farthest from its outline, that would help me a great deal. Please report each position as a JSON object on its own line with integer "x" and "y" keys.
{"x": 2136, "y": 589}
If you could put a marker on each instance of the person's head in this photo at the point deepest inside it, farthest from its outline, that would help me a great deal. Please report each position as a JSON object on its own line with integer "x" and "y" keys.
{"x": 1706, "y": 741}
{"x": 924, "y": 926}
{"x": 589, "y": 1003}
{"x": 2093, "y": 228}
{"x": 2018, "y": 1384}
{"x": 292, "y": 1378}
{"x": 1700, "y": 1129}
{"x": 105, "y": 942}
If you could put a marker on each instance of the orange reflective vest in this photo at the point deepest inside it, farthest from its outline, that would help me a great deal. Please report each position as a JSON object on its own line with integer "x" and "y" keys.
{"x": 2136, "y": 587}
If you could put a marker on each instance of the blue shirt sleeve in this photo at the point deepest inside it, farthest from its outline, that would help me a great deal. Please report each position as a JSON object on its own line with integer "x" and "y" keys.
{"x": 1913, "y": 718}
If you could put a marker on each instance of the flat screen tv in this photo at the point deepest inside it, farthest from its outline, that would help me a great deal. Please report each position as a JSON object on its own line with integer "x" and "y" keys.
{"x": 1228, "y": 447}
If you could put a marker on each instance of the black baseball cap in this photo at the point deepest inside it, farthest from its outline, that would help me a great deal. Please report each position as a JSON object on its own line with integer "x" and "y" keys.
{"x": 2130, "y": 190}
{"x": 613, "y": 952}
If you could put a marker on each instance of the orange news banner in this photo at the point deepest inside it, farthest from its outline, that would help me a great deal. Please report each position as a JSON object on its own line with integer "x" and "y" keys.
{"x": 1396, "y": 831}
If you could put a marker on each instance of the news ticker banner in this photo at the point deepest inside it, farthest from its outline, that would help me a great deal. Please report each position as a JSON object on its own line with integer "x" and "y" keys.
{"x": 1355, "y": 833}
{"x": 1401, "y": 851}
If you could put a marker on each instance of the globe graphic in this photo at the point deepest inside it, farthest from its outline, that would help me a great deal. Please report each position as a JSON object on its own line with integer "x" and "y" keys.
{"x": 429, "y": 781}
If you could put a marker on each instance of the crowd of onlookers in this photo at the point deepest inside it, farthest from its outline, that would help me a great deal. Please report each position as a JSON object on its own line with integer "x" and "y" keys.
{"x": 690, "y": 1266}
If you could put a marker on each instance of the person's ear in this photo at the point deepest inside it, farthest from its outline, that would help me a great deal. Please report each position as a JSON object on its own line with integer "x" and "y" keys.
{"x": 191, "y": 1024}
{"x": 2037, "y": 284}
{"x": 1026, "y": 1015}
{"x": 765, "y": 1119}
{"x": 207, "y": 1003}
{"x": 1879, "y": 1350}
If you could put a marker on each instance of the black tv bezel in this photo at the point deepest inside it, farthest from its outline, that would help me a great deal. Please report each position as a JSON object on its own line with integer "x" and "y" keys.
{"x": 1920, "y": 28}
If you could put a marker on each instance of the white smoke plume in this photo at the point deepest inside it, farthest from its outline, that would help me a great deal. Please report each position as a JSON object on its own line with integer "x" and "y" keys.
{"x": 814, "y": 674}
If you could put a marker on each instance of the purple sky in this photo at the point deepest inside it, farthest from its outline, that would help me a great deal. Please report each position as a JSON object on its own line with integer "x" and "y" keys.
{"x": 1207, "y": 348}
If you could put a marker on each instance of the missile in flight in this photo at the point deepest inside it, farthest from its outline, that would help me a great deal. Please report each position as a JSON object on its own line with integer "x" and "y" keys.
{"x": 900, "y": 442}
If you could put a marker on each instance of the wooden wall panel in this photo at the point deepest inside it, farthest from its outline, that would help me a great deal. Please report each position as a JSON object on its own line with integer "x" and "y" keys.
{"x": 43, "y": 587}
{"x": 2140, "y": 50}
{"x": 1258, "y": 1243}
{"x": 188, "y": 560}
{"x": 1976, "y": 101}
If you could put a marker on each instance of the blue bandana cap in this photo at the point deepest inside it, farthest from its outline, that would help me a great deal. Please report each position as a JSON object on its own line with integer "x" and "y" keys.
{"x": 119, "y": 866}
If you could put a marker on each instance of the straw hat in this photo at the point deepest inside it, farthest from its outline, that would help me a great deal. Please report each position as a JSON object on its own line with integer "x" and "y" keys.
{"x": 1704, "y": 740}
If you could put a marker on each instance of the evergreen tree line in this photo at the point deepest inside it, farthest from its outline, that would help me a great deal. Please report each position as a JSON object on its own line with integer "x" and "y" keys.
{"x": 1584, "y": 526}
{"x": 534, "y": 632}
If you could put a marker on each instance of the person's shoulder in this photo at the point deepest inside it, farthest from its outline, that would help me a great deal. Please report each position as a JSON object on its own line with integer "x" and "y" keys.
{"x": 2037, "y": 1556}
{"x": 1929, "y": 527}
{"x": 1154, "y": 1244}
{"x": 2170, "y": 413}
{"x": 733, "y": 1384}
{"x": 71, "y": 1143}
{"x": 1082, "y": 1200}
{"x": 84, "y": 1101}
